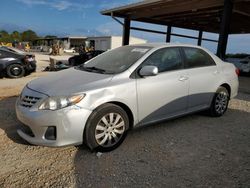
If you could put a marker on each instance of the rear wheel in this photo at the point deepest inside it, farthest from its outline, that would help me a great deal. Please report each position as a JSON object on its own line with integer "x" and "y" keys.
{"x": 15, "y": 71}
{"x": 220, "y": 102}
{"x": 106, "y": 128}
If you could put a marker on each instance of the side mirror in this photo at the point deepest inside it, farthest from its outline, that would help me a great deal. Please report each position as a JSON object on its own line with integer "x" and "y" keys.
{"x": 148, "y": 70}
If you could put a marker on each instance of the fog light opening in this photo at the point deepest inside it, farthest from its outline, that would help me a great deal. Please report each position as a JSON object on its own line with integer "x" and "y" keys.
{"x": 51, "y": 133}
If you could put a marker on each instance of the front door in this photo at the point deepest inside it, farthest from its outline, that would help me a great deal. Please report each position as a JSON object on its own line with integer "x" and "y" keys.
{"x": 163, "y": 95}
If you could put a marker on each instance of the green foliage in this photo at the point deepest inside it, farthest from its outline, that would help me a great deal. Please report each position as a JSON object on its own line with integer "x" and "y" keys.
{"x": 16, "y": 36}
{"x": 29, "y": 35}
{"x": 4, "y": 36}
{"x": 50, "y": 36}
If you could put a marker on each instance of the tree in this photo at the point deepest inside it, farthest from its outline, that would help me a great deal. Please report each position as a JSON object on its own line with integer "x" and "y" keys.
{"x": 50, "y": 36}
{"x": 16, "y": 36}
{"x": 29, "y": 35}
{"x": 4, "y": 36}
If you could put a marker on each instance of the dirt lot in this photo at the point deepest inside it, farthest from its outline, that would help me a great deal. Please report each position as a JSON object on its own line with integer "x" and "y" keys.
{"x": 192, "y": 151}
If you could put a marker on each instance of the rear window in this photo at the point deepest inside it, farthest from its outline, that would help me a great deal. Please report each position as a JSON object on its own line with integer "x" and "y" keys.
{"x": 197, "y": 58}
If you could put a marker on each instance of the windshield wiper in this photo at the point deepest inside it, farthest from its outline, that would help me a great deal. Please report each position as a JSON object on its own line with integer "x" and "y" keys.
{"x": 95, "y": 69}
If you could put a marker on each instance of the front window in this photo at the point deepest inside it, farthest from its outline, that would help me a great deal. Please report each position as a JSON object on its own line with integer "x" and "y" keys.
{"x": 166, "y": 59}
{"x": 115, "y": 61}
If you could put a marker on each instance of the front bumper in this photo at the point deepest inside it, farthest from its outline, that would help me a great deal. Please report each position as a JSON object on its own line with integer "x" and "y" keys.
{"x": 31, "y": 66}
{"x": 69, "y": 123}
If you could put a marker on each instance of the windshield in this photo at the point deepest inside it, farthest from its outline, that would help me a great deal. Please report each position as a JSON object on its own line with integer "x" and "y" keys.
{"x": 115, "y": 61}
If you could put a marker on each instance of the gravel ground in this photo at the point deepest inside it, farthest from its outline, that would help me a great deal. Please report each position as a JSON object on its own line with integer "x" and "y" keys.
{"x": 192, "y": 151}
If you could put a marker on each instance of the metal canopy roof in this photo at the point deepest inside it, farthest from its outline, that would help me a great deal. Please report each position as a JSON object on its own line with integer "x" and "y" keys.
{"x": 202, "y": 15}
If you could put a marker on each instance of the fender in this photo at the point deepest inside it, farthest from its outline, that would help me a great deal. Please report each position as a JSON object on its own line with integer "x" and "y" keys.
{"x": 5, "y": 62}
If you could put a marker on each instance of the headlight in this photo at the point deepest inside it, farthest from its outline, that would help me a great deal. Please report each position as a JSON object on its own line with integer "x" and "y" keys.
{"x": 55, "y": 103}
{"x": 21, "y": 94}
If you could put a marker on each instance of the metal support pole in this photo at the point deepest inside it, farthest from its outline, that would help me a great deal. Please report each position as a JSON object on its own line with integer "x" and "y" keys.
{"x": 224, "y": 28}
{"x": 126, "y": 32}
{"x": 112, "y": 15}
{"x": 200, "y": 38}
{"x": 168, "y": 37}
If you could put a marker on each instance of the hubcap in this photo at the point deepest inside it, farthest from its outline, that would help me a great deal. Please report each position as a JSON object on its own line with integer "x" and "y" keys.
{"x": 221, "y": 102}
{"x": 16, "y": 71}
{"x": 109, "y": 130}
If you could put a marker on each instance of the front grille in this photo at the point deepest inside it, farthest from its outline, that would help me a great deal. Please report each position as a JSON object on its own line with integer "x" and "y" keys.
{"x": 29, "y": 101}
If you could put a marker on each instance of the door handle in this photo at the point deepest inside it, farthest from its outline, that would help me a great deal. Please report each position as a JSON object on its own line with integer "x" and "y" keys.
{"x": 183, "y": 78}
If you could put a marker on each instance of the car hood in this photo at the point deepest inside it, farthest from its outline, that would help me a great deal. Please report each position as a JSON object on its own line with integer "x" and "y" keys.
{"x": 68, "y": 82}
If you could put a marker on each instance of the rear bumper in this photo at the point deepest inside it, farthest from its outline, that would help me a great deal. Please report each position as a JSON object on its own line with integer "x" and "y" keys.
{"x": 234, "y": 87}
{"x": 245, "y": 70}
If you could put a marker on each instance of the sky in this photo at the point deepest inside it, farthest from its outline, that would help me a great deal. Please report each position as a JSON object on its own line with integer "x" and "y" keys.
{"x": 83, "y": 18}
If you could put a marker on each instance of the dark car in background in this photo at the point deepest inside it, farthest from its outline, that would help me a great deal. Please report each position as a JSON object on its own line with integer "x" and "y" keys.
{"x": 244, "y": 65}
{"x": 15, "y": 63}
{"x": 15, "y": 50}
{"x": 82, "y": 58}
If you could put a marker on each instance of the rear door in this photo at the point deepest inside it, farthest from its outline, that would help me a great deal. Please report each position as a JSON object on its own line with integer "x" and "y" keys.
{"x": 165, "y": 94}
{"x": 203, "y": 76}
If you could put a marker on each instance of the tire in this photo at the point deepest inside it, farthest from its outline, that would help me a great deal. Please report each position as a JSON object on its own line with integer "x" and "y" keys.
{"x": 106, "y": 128}
{"x": 71, "y": 61}
{"x": 220, "y": 102}
{"x": 15, "y": 71}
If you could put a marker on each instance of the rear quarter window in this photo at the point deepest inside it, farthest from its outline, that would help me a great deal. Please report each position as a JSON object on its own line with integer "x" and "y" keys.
{"x": 195, "y": 57}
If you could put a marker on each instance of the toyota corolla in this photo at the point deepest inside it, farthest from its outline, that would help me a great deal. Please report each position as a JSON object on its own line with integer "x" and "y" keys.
{"x": 98, "y": 102}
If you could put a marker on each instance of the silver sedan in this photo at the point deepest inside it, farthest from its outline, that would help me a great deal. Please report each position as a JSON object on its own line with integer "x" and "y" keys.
{"x": 98, "y": 102}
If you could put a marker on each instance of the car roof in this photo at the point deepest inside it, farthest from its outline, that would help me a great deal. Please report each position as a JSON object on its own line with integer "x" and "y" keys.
{"x": 162, "y": 45}
{"x": 158, "y": 45}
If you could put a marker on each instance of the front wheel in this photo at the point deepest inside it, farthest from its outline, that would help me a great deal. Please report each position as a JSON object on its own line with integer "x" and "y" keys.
{"x": 15, "y": 71}
{"x": 106, "y": 128}
{"x": 220, "y": 102}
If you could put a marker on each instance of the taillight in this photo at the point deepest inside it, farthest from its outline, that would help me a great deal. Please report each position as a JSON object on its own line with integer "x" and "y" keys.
{"x": 237, "y": 71}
